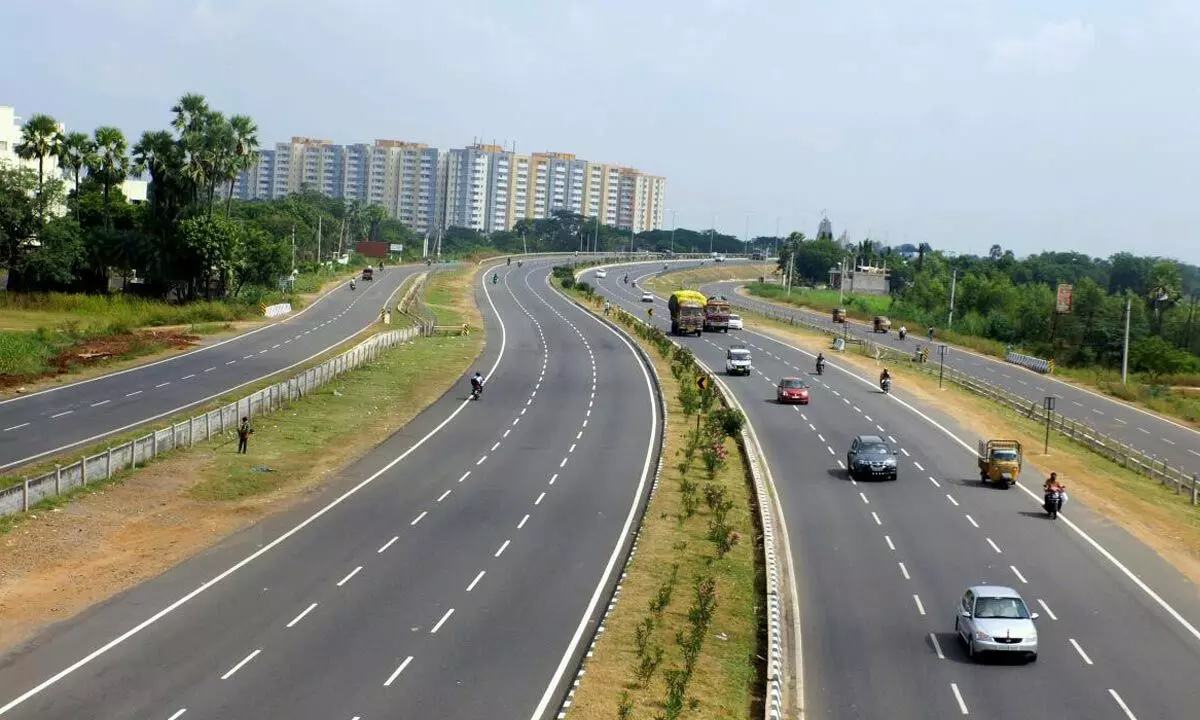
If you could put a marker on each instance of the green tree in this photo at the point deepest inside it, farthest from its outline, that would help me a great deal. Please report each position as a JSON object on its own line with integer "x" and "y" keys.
{"x": 245, "y": 151}
{"x": 110, "y": 163}
{"x": 75, "y": 153}
{"x": 262, "y": 261}
{"x": 1087, "y": 300}
{"x": 39, "y": 140}
{"x": 57, "y": 256}
{"x": 19, "y": 219}
{"x": 212, "y": 248}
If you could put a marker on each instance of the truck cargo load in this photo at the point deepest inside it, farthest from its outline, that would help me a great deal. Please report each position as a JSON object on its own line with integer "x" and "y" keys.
{"x": 716, "y": 314}
{"x": 687, "y": 312}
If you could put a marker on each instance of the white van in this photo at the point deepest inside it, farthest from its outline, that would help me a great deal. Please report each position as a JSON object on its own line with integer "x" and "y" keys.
{"x": 737, "y": 361}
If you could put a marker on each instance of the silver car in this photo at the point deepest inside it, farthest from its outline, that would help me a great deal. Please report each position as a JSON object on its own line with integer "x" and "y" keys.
{"x": 994, "y": 619}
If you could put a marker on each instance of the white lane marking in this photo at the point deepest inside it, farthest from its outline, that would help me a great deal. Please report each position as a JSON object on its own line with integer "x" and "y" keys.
{"x": 476, "y": 580}
{"x": 856, "y": 409}
{"x": 993, "y": 544}
{"x": 392, "y": 678}
{"x": 821, "y": 437}
{"x": 481, "y": 461}
{"x": 880, "y": 428}
{"x": 904, "y": 571}
{"x": 177, "y": 714}
{"x": 68, "y": 412}
{"x": 811, "y": 426}
{"x": 135, "y": 392}
{"x": 572, "y": 448}
{"x": 868, "y": 418}
{"x": 951, "y": 499}
{"x": 495, "y": 446}
{"x": 905, "y": 452}
{"x": 240, "y": 665}
{"x": 891, "y": 546}
{"x": 918, "y": 466}
{"x": 1144, "y": 430}
{"x": 188, "y": 377}
{"x": 1098, "y": 412}
{"x": 864, "y": 498}
{"x": 936, "y": 647}
{"x": 579, "y": 435}
{"x": 830, "y": 449}
{"x": 388, "y": 544}
{"x": 442, "y": 622}
{"x": 1121, "y": 703}
{"x": 300, "y": 617}
{"x": 539, "y": 499}
{"x": 1169, "y": 442}
{"x": 563, "y": 463}
{"x": 102, "y": 402}
{"x": 1079, "y": 650}
{"x": 802, "y": 416}
{"x": 972, "y": 521}
{"x": 933, "y": 480}
{"x": 231, "y": 362}
{"x": 502, "y": 548}
{"x": 1023, "y": 382}
{"x": 275, "y": 346}
{"x": 1123, "y": 422}
{"x": 506, "y": 432}
{"x": 1018, "y": 574}
{"x": 1197, "y": 454}
{"x": 247, "y": 357}
{"x": 346, "y": 579}
{"x": 920, "y": 607}
{"x": 210, "y": 369}
{"x": 443, "y": 496}
{"x": 464, "y": 476}
{"x": 16, "y": 427}
{"x": 876, "y": 516}
{"x": 892, "y": 439}
{"x": 418, "y": 518}
{"x": 1047, "y": 609}
{"x": 553, "y": 478}
{"x": 962, "y": 706}
{"x": 842, "y": 465}
{"x": 524, "y": 520}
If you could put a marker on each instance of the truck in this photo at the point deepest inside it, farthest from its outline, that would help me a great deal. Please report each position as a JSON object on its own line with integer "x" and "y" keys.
{"x": 716, "y": 314}
{"x": 1000, "y": 462}
{"x": 368, "y": 273}
{"x": 687, "y": 312}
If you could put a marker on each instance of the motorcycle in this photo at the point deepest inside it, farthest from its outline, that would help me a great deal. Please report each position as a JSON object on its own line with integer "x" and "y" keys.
{"x": 1053, "y": 502}
{"x": 902, "y": 333}
{"x": 510, "y": 261}
{"x": 820, "y": 367}
{"x": 476, "y": 390}
{"x": 885, "y": 385}
{"x": 495, "y": 278}
{"x": 520, "y": 263}
{"x": 351, "y": 285}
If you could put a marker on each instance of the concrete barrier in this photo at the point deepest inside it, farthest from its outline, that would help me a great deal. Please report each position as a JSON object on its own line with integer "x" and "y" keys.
{"x": 1030, "y": 362}
{"x": 274, "y": 311}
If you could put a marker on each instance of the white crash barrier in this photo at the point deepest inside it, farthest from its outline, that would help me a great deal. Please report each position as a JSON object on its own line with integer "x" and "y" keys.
{"x": 274, "y": 311}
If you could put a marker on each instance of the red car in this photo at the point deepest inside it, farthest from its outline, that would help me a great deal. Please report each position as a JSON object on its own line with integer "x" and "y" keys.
{"x": 792, "y": 390}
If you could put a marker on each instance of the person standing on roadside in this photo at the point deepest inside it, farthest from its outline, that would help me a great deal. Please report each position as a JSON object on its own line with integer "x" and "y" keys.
{"x": 244, "y": 433}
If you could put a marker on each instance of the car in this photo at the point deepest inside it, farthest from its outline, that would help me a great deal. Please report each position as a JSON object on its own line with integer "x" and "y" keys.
{"x": 738, "y": 361}
{"x": 995, "y": 619}
{"x": 871, "y": 456}
{"x": 647, "y": 296}
{"x": 792, "y": 390}
{"x": 601, "y": 274}
{"x": 735, "y": 322}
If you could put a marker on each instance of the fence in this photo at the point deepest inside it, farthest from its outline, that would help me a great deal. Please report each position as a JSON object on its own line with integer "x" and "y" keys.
{"x": 1029, "y": 361}
{"x": 1079, "y": 432}
{"x": 103, "y": 465}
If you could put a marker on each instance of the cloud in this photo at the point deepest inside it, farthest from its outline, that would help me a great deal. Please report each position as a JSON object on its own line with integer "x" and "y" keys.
{"x": 1052, "y": 49}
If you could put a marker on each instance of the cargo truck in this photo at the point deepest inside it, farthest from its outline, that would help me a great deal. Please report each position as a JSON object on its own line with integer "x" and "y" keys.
{"x": 716, "y": 314}
{"x": 687, "y": 312}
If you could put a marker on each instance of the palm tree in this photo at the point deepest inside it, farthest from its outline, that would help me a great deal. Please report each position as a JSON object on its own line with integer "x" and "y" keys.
{"x": 110, "y": 164}
{"x": 192, "y": 117}
{"x": 39, "y": 137}
{"x": 217, "y": 154}
{"x": 75, "y": 153}
{"x": 157, "y": 152}
{"x": 245, "y": 151}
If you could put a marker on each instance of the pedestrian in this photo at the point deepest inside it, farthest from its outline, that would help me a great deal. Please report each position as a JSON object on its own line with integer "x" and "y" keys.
{"x": 244, "y": 433}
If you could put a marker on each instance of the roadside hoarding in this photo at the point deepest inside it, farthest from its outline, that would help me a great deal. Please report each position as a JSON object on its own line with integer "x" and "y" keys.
{"x": 1063, "y": 304}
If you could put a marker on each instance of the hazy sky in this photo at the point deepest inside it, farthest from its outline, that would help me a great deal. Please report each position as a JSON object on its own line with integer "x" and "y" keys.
{"x": 1065, "y": 124}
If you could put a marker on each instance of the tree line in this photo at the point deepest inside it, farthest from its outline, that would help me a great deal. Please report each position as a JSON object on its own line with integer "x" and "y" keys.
{"x": 190, "y": 239}
{"x": 1013, "y": 300}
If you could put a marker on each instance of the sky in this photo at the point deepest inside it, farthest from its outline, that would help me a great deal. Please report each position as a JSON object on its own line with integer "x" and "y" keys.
{"x": 1051, "y": 124}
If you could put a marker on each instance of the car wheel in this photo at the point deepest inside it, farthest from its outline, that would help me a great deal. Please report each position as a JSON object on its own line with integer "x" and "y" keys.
{"x": 1032, "y": 657}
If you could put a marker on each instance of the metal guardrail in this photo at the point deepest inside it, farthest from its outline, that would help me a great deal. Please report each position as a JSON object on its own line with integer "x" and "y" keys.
{"x": 1078, "y": 432}
{"x": 1029, "y": 362}
{"x": 216, "y": 422}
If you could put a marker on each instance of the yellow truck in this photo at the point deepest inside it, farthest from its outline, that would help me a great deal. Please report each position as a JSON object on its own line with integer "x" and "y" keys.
{"x": 687, "y": 312}
{"x": 999, "y": 462}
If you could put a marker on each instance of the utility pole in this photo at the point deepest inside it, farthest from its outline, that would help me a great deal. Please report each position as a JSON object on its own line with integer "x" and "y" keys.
{"x": 746, "y": 236}
{"x": 319, "y": 263}
{"x": 341, "y": 236}
{"x": 711, "y": 230}
{"x": 841, "y": 281}
{"x": 293, "y": 249}
{"x": 596, "y": 235}
{"x": 674, "y": 215}
{"x": 953, "y": 281}
{"x": 791, "y": 274}
{"x": 776, "y": 253}
{"x": 1125, "y": 349}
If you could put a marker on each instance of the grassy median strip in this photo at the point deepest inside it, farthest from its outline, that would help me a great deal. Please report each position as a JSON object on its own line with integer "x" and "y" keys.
{"x": 683, "y": 639}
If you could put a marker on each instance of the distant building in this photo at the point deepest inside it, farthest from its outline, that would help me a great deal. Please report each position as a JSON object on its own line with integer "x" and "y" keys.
{"x": 825, "y": 229}
{"x": 863, "y": 279}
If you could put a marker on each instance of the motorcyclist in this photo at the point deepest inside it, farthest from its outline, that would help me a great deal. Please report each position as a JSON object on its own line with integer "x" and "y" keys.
{"x": 495, "y": 278}
{"x": 885, "y": 378}
{"x": 520, "y": 263}
{"x": 626, "y": 280}
{"x": 903, "y": 332}
{"x": 1051, "y": 487}
{"x": 510, "y": 261}
{"x": 351, "y": 284}
{"x": 477, "y": 382}
{"x": 1052, "y": 484}
{"x": 931, "y": 333}
{"x": 820, "y": 363}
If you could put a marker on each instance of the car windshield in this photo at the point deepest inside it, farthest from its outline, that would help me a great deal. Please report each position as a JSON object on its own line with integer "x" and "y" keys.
{"x": 1006, "y": 608}
{"x": 875, "y": 450}
{"x": 735, "y": 317}
{"x": 791, "y": 383}
{"x": 1005, "y": 455}
{"x": 739, "y": 355}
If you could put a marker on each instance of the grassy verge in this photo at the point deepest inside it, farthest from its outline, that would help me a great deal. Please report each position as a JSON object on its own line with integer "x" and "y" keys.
{"x": 1167, "y": 522}
{"x": 693, "y": 278}
{"x": 683, "y": 639}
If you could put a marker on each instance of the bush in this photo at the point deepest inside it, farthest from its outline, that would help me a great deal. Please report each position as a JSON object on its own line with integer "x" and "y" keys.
{"x": 585, "y": 288}
{"x": 568, "y": 283}
{"x": 726, "y": 421}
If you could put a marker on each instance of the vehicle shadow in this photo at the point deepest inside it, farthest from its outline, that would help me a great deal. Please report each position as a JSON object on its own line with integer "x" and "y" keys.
{"x": 838, "y": 474}
{"x": 954, "y": 651}
{"x": 1040, "y": 514}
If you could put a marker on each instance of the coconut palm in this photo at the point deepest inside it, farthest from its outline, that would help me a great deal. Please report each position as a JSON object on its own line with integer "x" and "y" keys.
{"x": 158, "y": 153}
{"x": 245, "y": 151}
{"x": 110, "y": 163}
{"x": 39, "y": 137}
{"x": 74, "y": 152}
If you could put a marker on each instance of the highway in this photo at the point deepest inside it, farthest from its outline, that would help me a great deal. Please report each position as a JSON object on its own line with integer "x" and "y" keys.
{"x": 452, "y": 572}
{"x": 78, "y": 414}
{"x": 1158, "y": 436}
{"x": 881, "y": 566}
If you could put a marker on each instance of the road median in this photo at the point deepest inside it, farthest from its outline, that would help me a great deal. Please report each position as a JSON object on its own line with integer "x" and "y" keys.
{"x": 687, "y": 634}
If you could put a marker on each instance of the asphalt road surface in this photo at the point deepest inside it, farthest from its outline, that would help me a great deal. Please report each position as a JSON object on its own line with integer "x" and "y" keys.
{"x": 451, "y": 573}
{"x": 880, "y": 565}
{"x": 55, "y": 420}
{"x": 1151, "y": 433}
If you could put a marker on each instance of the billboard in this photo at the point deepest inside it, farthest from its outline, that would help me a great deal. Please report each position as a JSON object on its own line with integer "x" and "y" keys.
{"x": 396, "y": 248}
{"x": 1063, "y": 304}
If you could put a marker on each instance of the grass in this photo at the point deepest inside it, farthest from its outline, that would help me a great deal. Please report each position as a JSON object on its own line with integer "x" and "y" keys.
{"x": 441, "y": 298}
{"x": 693, "y": 278}
{"x": 337, "y": 414}
{"x": 1167, "y": 522}
{"x": 725, "y": 681}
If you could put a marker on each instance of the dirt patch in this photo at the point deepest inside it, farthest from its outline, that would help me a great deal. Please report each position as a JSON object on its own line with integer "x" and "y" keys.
{"x": 1163, "y": 521}
{"x": 101, "y": 351}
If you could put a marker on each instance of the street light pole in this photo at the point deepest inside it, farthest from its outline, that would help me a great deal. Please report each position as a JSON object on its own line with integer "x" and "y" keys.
{"x": 1048, "y": 405}
{"x": 942, "y": 369}
{"x": 1125, "y": 348}
{"x": 953, "y": 283}
{"x": 674, "y": 216}
{"x": 712, "y": 228}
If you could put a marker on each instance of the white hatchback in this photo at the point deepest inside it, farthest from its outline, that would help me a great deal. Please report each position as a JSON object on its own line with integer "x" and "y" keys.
{"x": 735, "y": 322}
{"x": 601, "y": 274}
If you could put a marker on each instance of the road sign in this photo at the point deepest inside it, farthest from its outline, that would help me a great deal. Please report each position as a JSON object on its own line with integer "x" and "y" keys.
{"x": 1063, "y": 304}
{"x": 702, "y": 382}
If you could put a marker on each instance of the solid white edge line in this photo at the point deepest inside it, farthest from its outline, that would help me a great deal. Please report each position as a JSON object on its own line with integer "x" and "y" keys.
{"x": 269, "y": 546}
{"x": 565, "y": 662}
{"x": 1141, "y": 584}
{"x": 173, "y": 411}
